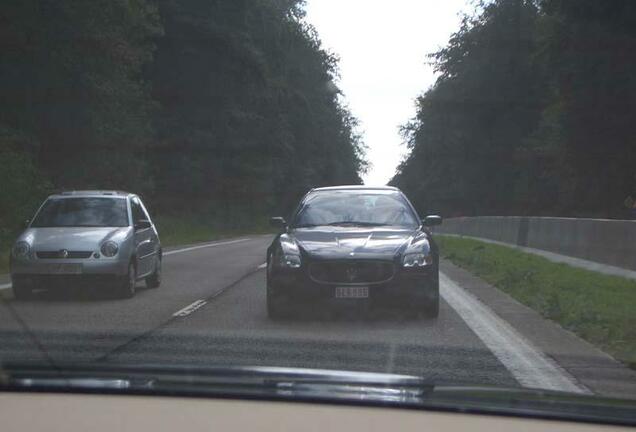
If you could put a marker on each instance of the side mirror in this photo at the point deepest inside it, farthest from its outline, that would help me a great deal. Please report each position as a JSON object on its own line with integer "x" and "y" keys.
{"x": 26, "y": 223}
{"x": 143, "y": 224}
{"x": 432, "y": 220}
{"x": 278, "y": 222}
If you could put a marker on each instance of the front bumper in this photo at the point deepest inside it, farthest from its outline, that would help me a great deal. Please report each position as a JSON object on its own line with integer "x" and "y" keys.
{"x": 413, "y": 285}
{"x": 50, "y": 272}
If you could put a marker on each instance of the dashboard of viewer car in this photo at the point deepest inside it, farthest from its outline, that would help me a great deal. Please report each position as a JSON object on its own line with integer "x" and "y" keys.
{"x": 97, "y": 413}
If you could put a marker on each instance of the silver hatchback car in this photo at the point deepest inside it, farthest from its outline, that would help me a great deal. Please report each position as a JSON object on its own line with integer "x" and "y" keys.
{"x": 87, "y": 238}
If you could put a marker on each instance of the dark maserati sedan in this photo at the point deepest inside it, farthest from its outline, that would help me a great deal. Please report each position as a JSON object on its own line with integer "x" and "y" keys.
{"x": 350, "y": 245}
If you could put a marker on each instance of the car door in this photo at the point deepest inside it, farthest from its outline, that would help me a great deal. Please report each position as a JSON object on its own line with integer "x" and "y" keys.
{"x": 143, "y": 239}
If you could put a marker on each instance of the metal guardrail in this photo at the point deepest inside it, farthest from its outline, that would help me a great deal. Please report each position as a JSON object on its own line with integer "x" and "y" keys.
{"x": 605, "y": 241}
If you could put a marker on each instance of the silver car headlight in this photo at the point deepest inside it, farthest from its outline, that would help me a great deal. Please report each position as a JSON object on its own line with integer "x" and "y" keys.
{"x": 21, "y": 250}
{"x": 417, "y": 255}
{"x": 109, "y": 249}
{"x": 290, "y": 253}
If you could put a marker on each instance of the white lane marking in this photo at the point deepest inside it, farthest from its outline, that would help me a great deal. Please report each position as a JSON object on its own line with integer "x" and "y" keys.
{"x": 262, "y": 266}
{"x": 529, "y": 366}
{"x": 190, "y": 308}
{"x": 172, "y": 252}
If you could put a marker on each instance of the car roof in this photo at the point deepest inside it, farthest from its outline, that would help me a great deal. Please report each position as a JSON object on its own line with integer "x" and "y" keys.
{"x": 357, "y": 188}
{"x": 93, "y": 193}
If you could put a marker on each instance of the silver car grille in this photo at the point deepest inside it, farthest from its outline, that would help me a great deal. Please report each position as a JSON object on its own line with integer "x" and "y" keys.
{"x": 63, "y": 254}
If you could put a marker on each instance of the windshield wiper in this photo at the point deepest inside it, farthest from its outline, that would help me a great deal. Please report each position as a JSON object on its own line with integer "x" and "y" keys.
{"x": 355, "y": 223}
{"x": 342, "y": 223}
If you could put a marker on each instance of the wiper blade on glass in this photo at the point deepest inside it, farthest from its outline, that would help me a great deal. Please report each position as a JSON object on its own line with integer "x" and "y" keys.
{"x": 355, "y": 223}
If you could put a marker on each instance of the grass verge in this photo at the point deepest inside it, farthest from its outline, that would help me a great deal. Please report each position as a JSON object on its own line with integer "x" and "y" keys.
{"x": 599, "y": 308}
{"x": 180, "y": 230}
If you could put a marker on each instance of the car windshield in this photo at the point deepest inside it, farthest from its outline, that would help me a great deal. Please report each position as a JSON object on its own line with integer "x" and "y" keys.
{"x": 82, "y": 212}
{"x": 439, "y": 189}
{"x": 355, "y": 208}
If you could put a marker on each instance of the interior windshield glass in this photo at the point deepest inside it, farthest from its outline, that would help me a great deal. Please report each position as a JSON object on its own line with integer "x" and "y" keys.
{"x": 82, "y": 212}
{"x": 439, "y": 189}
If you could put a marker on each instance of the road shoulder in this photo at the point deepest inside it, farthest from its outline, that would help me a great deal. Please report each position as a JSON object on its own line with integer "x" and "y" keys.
{"x": 590, "y": 366}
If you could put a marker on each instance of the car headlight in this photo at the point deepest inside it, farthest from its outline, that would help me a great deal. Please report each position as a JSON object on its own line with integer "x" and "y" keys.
{"x": 417, "y": 260}
{"x": 289, "y": 255}
{"x": 418, "y": 255}
{"x": 109, "y": 249}
{"x": 21, "y": 249}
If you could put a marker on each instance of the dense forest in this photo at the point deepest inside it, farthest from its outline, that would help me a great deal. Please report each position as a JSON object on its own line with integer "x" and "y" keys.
{"x": 225, "y": 108}
{"x": 532, "y": 113}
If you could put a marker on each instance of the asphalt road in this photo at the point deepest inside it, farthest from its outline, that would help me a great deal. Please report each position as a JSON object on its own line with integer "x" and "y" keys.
{"x": 210, "y": 310}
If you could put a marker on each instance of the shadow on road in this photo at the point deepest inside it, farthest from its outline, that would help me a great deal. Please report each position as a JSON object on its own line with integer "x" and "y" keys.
{"x": 355, "y": 314}
{"x": 78, "y": 293}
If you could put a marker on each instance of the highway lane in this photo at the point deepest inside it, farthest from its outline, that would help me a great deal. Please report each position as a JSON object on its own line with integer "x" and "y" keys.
{"x": 234, "y": 329}
{"x": 86, "y": 326}
{"x": 210, "y": 310}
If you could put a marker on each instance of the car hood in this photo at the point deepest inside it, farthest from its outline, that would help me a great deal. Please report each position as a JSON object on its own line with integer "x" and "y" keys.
{"x": 340, "y": 242}
{"x": 75, "y": 238}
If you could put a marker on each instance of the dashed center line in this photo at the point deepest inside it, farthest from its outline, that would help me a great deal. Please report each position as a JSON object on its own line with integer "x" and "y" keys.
{"x": 190, "y": 308}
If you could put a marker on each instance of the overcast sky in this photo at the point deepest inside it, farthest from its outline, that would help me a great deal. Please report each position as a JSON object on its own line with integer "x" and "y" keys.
{"x": 382, "y": 47}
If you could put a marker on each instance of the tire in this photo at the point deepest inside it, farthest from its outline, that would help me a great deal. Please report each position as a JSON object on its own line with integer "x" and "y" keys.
{"x": 127, "y": 286}
{"x": 276, "y": 310}
{"x": 154, "y": 280}
{"x": 22, "y": 291}
{"x": 432, "y": 308}
{"x": 419, "y": 307}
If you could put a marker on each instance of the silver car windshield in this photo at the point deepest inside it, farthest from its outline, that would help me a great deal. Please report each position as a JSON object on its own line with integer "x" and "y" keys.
{"x": 82, "y": 212}
{"x": 355, "y": 208}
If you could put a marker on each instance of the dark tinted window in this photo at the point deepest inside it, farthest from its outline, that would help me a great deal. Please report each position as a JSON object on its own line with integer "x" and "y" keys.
{"x": 137, "y": 210}
{"x": 354, "y": 207}
{"x": 82, "y": 212}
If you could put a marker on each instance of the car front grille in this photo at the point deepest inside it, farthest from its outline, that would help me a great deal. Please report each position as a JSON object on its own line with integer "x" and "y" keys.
{"x": 351, "y": 271}
{"x": 60, "y": 255}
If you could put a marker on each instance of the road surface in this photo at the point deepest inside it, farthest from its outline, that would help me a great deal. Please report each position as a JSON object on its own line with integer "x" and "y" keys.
{"x": 210, "y": 310}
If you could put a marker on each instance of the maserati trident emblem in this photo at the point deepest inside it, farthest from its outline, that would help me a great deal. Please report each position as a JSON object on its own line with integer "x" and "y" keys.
{"x": 352, "y": 274}
{"x": 63, "y": 253}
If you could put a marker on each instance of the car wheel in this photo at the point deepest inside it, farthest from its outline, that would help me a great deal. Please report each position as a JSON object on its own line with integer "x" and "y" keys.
{"x": 423, "y": 307}
{"x": 154, "y": 280}
{"x": 276, "y": 310}
{"x": 22, "y": 291}
{"x": 129, "y": 282}
{"x": 431, "y": 304}
{"x": 432, "y": 308}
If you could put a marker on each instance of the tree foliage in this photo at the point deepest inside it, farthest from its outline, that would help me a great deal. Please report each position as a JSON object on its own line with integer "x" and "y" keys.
{"x": 530, "y": 113}
{"x": 200, "y": 105}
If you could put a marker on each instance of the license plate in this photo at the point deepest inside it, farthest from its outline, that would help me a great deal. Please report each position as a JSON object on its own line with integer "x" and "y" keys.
{"x": 64, "y": 268}
{"x": 355, "y": 292}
